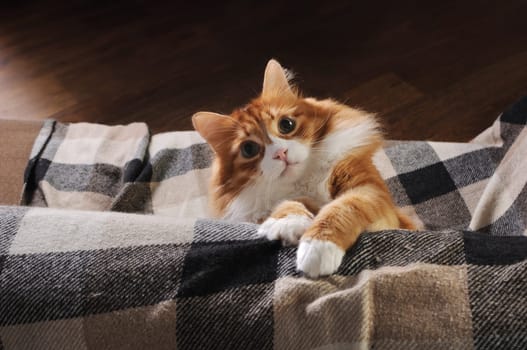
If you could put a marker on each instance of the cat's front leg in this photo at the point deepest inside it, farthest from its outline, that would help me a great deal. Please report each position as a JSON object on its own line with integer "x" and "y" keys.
{"x": 338, "y": 225}
{"x": 288, "y": 221}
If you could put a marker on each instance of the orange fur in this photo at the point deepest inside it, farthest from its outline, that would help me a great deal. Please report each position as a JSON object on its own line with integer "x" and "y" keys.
{"x": 291, "y": 208}
{"x": 358, "y": 197}
{"x": 230, "y": 171}
{"x": 361, "y": 202}
{"x": 406, "y": 223}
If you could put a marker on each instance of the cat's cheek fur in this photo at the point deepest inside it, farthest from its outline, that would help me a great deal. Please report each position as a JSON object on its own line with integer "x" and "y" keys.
{"x": 271, "y": 168}
{"x": 288, "y": 229}
{"x": 318, "y": 258}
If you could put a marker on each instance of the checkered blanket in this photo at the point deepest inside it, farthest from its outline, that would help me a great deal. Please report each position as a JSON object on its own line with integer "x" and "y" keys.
{"x": 72, "y": 276}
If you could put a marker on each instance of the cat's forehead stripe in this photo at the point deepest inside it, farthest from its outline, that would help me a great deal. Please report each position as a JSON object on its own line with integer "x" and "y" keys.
{"x": 251, "y": 122}
{"x": 278, "y": 111}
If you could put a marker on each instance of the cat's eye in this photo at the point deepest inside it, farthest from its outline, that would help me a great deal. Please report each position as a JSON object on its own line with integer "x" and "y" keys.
{"x": 286, "y": 125}
{"x": 249, "y": 149}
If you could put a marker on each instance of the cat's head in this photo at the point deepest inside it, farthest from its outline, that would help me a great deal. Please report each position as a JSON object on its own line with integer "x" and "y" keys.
{"x": 274, "y": 138}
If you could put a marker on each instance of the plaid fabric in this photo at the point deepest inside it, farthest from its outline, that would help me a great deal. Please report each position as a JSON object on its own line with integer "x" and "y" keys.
{"x": 107, "y": 280}
{"x": 479, "y": 185}
{"x": 87, "y": 280}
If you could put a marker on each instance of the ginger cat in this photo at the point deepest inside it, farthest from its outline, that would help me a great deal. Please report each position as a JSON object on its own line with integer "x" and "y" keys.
{"x": 303, "y": 168}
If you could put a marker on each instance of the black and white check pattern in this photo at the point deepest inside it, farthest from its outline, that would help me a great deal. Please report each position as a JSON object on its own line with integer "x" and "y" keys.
{"x": 108, "y": 277}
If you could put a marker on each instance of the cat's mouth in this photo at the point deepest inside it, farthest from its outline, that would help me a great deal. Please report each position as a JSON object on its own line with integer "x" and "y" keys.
{"x": 288, "y": 168}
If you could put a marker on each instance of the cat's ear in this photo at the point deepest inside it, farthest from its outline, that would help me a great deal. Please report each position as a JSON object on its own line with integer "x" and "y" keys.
{"x": 276, "y": 82}
{"x": 216, "y": 129}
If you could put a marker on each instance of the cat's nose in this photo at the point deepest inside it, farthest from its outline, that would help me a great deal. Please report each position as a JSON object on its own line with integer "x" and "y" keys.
{"x": 281, "y": 154}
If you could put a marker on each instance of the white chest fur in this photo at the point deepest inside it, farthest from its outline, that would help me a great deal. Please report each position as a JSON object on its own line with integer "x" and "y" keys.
{"x": 256, "y": 201}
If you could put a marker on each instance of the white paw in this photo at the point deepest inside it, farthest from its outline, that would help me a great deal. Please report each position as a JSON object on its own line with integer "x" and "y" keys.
{"x": 318, "y": 258}
{"x": 288, "y": 229}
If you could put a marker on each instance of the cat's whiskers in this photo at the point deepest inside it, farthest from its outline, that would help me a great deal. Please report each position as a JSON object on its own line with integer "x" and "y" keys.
{"x": 218, "y": 188}
{"x": 345, "y": 102}
{"x": 321, "y": 150}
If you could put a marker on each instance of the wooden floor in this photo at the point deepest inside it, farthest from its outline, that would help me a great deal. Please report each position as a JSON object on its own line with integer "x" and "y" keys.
{"x": 443, "y": 71}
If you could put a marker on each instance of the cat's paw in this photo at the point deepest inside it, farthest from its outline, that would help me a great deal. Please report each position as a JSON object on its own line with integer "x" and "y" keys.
{"x": 318, "y": 258}
{"x": 288, "y": 229}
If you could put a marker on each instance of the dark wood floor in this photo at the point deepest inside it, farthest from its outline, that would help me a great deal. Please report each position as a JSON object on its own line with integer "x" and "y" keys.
{"x": 440, "y": 71}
